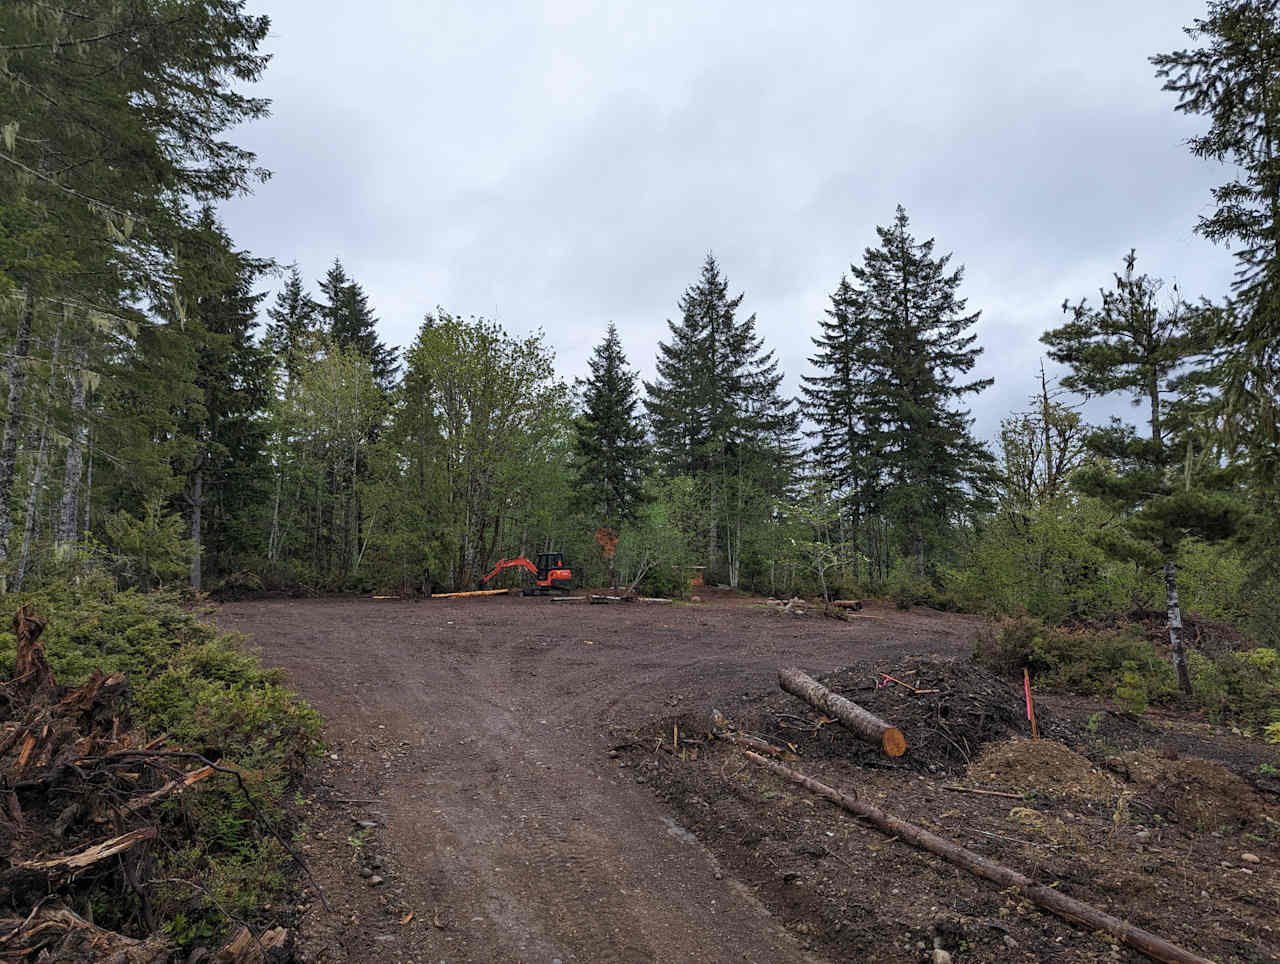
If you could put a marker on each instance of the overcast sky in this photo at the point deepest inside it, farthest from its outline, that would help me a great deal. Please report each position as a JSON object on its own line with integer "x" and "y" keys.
{"x": 565, "y": 164}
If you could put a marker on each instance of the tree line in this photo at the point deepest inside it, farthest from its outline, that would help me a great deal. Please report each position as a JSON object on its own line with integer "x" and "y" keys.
{"x": 153, "y": 426}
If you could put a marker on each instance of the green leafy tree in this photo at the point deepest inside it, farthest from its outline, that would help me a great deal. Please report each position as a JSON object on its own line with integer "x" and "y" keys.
{"x": 1039, "y": 448}
{"x": 495, "y": 405}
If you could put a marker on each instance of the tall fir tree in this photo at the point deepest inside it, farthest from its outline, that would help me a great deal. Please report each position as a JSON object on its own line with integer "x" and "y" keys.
{"x": 1232, "y": 80}
{"x": 837, "y": 403}
{"x": 351, "y": 324}
{"x": 609, "y": 439}
{"x": 925, "y": 466}
{"x": 295, "y": 320}
{"x": 226, "y": 421}
{"x": 717, "y": 413}
{"x": 716, "y": 385}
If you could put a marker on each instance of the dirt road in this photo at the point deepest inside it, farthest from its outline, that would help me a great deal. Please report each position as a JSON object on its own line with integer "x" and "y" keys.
{"x": 477, "y": 734}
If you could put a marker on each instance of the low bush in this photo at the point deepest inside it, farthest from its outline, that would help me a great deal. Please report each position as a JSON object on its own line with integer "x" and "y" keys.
{"x": 1240, "y": 686}
{"x": 212, "y": 696}
{"x": 907, "y": 587}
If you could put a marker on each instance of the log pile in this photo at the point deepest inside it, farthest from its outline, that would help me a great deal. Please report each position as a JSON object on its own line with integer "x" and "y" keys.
{"x": 78, "y": 789}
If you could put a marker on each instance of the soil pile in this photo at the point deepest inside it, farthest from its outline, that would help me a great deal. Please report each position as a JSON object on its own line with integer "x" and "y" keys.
{"x": 1043, "y": 766}
{"x": 1196, "y": 794}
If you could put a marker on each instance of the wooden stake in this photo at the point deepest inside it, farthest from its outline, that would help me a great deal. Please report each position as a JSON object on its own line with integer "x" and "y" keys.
{"x": 865, "y": 725}
{"x": 1046, "y": 897}
{"x": 1031, "y": 706}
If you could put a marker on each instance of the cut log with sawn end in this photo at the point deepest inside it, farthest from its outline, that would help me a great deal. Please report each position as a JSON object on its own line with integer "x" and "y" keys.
{"x": 866, "y": 726}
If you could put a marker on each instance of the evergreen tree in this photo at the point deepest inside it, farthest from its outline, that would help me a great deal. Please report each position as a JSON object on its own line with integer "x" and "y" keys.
{"x": 608, "y": 439}
{"x": 925, "y": 465}
{"x": 717, "y": 413}
{"x": 294, "y": 322}
{"x": 1232, "y": 80}
{"x": 1130, "y": 345}
{"x": 225, "y": 423}
{"x": 351, "y": 324}
{"x": 837, "y": 402}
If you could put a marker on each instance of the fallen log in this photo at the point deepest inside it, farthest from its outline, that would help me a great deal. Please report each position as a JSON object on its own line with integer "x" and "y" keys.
{"x": 854, "y": 604}
{"x": 568, "y": 598}
{"x": 473, "y": 592}
{"x": 1046, "y": 897}
{"x": 862, "y": 724}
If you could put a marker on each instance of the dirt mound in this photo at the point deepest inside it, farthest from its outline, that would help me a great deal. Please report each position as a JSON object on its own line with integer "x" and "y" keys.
{"x": 947, "y": 710}
{"x": 1044, "y": 766}
{"x": 1198, "y": 794}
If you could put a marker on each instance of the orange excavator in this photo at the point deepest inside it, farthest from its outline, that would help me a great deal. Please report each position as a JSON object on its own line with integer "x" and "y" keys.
{"x": 550, "y": 573}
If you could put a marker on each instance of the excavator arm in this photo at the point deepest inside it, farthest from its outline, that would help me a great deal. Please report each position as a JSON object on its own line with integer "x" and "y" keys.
{"x": 519, "y": 561}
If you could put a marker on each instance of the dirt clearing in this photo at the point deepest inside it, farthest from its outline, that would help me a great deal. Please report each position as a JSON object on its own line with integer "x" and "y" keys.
{"x": 512, "y": 763}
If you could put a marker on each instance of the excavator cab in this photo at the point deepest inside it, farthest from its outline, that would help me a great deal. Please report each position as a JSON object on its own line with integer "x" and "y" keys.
{"x": 553, "y": 573}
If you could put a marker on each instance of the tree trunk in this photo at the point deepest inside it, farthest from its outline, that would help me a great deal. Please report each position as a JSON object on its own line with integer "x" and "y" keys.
{"x": 862, "y": 724}
{"x": 37, "y": 476}
{"x": 68, "y": 527}
{"x": 197, "y": 513}
{"x": 1047, "y": 897}
{"x": 1050, "y": 482}
{"x": 88, "y": 482}
{"x": 1175, "y": 626}
{"x": 17, "y": 376}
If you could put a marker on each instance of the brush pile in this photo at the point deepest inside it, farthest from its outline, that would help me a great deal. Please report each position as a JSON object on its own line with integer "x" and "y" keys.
{"x": 79, "y": 786}
{"x": 946, "y": 710}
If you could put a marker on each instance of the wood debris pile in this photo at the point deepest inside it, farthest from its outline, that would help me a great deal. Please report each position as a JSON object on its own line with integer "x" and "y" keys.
{"x": 947, "y": 711}
{"x": 78, "y": 789}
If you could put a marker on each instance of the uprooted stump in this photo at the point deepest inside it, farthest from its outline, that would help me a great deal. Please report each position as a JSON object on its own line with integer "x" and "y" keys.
{"x": 78, "y": 784}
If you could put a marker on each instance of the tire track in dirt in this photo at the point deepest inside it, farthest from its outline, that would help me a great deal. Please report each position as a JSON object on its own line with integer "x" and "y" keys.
{"x": 481, "y": 728}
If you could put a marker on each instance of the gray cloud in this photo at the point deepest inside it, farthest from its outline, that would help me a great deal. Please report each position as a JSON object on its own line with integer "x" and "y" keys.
{"x": 564, "y": 164}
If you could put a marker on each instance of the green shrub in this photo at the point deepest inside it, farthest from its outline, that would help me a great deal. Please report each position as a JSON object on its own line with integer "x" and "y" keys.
{"x": 1251, "y": 679}
{"x": 907, "y": 587}
{"x": 1132, "y": 688}
{"x": 1242, "y": 686}
{"x": 210, "y": 695}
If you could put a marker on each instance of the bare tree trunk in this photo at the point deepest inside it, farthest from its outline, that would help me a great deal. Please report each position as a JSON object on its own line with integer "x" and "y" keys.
{"x": 1175, "y": 626}
{"x": 88, "y": 483}
{"x": 273, "y": 538}
{"x": 37, "y": 476}
{"x": 1050, "y": 483}
{"x": 197, "y": 517}
{"x": 68, "y": 526}
{"x": 17, "y": 376}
